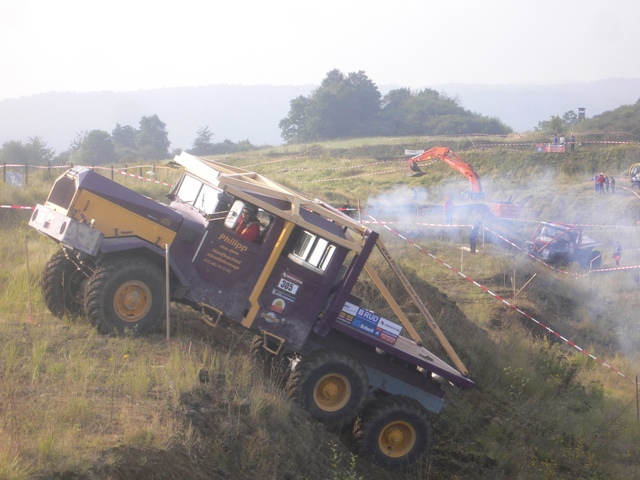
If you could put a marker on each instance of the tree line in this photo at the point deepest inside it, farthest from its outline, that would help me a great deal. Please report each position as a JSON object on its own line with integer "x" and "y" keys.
{"x": 124, "y": 144}
{"x": 624, "y": 120}
{"x": 348, "y": 106}
{"x": 343, "y": 106}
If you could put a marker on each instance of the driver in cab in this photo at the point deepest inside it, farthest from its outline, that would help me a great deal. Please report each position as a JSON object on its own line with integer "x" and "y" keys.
{"x": 249, "y": 227}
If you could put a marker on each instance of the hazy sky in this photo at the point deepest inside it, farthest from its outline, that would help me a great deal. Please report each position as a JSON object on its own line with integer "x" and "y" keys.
{"x": 83, "y": 45}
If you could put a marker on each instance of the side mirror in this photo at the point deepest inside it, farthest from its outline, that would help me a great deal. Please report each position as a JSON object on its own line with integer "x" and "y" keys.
{"x": 225, "y": 198}
{"x": 234, "y": 214}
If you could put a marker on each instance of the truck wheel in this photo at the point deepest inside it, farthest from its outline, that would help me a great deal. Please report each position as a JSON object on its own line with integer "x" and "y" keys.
{"x": 331, "y": 387}
{"x": 126, "y": 296}
{"x": 63, "y": 286}
{"x": 277, "y": 367}
{"x": 395, "y": 431}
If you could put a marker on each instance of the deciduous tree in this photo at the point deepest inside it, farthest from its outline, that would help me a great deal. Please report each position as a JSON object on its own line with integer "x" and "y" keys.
{"x": 202, "y": 144}
{"x": 92, "y": 148}
{"x": 351, "y": 106}
{"x": 34, "y": 152}
{"x": 152, "y": 140}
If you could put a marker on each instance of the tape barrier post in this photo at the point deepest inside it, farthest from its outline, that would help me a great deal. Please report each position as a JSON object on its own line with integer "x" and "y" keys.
{"x": 26, "y": 256}
{"x": 167, "y": 290}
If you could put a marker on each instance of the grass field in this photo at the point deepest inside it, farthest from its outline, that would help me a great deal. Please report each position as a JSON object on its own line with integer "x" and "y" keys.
{"x": 76, "y": 404}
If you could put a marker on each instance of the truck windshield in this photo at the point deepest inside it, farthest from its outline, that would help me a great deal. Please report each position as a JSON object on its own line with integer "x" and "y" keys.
{"x": 202, "y": 196}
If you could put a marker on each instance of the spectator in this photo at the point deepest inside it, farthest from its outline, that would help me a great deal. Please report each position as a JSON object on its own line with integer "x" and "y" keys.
{"x": 606, "y": 183}
{"x": 595, "y": 181}
{"x": 473, "y": 237}
{"x": 617, "y": 253}
{"x": 601, "y": 184}
{"x": 347, "y": 209}
{"x": 572, "y": 140}
{"x": 448, "y": 210}
{"x": 555, "y": 139}
{"x": 562, "y": 140}
{"x": 612, "y": 182}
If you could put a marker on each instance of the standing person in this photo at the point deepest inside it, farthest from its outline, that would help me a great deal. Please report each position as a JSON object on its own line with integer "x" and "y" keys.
{"x": 606, "y": 183}
{"x": 473, "y": 237}
{"x": 601, "y": 183}
{"x": 562, "y": 140}
{"x": 347, "y": 209}
{"x": 555, "y": 139}
{"x": 572, "y": 140}
{"x": 249, "y": 226}
{"x": 595, "y": 181}
{"x": 612, "y": 182}
{"x": 617, "y": 253}
{"x": 448, "y": 210}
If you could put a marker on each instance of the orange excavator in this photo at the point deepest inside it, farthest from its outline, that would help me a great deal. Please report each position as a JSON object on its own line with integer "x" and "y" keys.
{"x": 498, "y": 209}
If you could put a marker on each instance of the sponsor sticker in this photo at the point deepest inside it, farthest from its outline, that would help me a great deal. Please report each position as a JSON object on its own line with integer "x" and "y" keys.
{"x": 370, "y": 322}
{"x": 278, "y": 305}
{"x": 289, "y": 284}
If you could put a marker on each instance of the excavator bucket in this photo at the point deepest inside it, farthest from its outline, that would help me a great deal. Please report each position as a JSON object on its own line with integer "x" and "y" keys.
{"x": 415, "y": 170}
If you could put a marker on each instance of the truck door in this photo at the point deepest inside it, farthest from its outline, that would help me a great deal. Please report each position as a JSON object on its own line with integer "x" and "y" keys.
{"x": 228, "y": 264}
{"x": 298, "y": 287}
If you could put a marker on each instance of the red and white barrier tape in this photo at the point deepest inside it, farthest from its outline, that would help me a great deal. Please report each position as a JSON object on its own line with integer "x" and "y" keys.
{"x": 508, "y": 304}
{"x": 354, "y": 176}
{"x": 150, "y": 180}
{"x": 17, "y": 207}
{"x": 529, "y": 144}
{"x": 379, "y": 222}
{"x": 332, "y": 169}
{"x": 286, "y": 159}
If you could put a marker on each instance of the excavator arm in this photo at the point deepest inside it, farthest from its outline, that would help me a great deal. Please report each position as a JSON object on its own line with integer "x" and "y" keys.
{"x": 499, "y": 209}
{"x": 445, "y": 155}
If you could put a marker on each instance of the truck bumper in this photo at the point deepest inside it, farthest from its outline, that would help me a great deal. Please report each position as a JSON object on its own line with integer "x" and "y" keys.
{"x": 66, "y": 230}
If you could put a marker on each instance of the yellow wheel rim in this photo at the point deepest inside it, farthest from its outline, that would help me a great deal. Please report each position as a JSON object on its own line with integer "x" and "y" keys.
{"x": 332, "y": 392}
{"x": 397, "y": 439}
{"x": 132, "y": 301}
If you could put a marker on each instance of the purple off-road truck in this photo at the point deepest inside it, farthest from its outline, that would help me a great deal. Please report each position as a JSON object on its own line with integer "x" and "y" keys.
{"x": 290, "y": 284}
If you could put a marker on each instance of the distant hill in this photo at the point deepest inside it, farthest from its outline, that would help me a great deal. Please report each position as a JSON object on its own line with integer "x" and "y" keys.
{"x": 523, "y": 106}
{"x": 232, "y": 112}
{"x": 236, "y": 113}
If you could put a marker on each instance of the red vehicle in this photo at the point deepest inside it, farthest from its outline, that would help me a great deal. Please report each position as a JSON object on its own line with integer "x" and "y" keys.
{"x": 560, "y": 243}
{"x": 498, "y": 209}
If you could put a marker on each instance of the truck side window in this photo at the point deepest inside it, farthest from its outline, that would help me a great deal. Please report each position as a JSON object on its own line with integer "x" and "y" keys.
{"x": 208, "y": 200}
{"x": 312, "y": 251}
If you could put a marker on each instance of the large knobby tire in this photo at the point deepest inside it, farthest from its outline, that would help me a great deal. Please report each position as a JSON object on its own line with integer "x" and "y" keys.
{"x": 332, "y": 387}
{"x": 126, "y": 295}
{"x": 63, "y": 286}
{"x": 394, "y": 431}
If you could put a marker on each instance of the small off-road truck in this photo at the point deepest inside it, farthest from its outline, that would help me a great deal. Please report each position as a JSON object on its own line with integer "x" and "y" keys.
{"x": 291, "y": 286}
{"x": 561, "y": 244}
